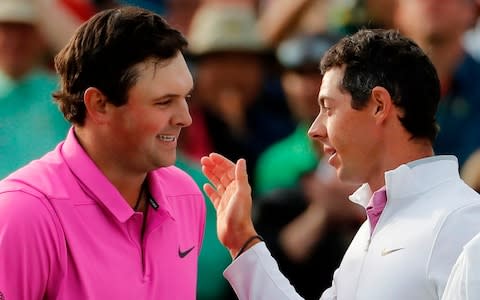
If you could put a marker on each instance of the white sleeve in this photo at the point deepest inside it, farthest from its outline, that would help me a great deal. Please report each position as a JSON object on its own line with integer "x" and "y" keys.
{"x": 255, "y": 276}
{"x": 464, "y": 280}
{"x": 331, "y": 292}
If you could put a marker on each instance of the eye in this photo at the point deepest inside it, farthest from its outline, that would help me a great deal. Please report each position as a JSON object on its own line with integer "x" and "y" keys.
{"x": 164, "y": 102}
{"x": 325, "y": 106}
{"x": 188, "y": 97}
{"x": 322, "y": 104}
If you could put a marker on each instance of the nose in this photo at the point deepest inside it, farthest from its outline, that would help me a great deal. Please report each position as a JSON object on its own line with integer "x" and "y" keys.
{"x": 317, "y": 130}
{"x": 182, "y": 117}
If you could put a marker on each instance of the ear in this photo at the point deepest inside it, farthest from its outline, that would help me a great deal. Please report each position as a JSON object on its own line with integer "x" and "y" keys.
{"x": 96, "y": 104}
{"x": 382, "y": 104}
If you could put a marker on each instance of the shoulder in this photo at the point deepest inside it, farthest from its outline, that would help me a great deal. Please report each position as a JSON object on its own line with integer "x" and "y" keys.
{"x": 22, "y": 201}
{"x": 31, "y": 238}
{"x": 26, "y": 214}
{"x": 455, "y": 196}
{"x": 44, "y": 176}
{"x": 24, "y": 195}
{"x": 458, "y": 211}
{"x": 473, "y": 246}
{"x": 456, "y": 204}
{"x": 464, "y": 277}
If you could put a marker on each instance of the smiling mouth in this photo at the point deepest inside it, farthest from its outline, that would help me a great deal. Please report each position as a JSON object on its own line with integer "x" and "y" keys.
{"x": 167, "y": 138}
{"x": 329, "y": 151}
{"x": 332, "y": 154}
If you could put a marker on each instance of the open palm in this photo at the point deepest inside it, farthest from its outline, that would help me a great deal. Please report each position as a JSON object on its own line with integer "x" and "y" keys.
{"x": 230, "y": 194}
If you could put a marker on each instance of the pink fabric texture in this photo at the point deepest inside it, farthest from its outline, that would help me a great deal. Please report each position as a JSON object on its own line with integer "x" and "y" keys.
{"x": 67, "y": 233}
{"x": 375, "y": 206}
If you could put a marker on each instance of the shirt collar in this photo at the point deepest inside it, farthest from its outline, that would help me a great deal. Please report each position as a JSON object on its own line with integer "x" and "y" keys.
{"x": 412, "y": 178}
{"x": 98, "y": 186}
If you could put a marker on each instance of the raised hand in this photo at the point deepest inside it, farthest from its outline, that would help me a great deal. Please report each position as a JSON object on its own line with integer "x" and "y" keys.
{"x": 230, "y": 194}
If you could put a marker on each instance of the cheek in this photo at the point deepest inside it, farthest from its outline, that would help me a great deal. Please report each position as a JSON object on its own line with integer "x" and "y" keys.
{"x": 339, "y": 131}
{"x": 150, "y": 124}
{"x": 348, "y": 135}
{"x": 136, "y": 124}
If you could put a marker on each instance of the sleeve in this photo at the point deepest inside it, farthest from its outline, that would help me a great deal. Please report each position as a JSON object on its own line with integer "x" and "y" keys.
{"x": 331, "y": 292}
{"x": 464, "y": 281}
{"x": 456, "y": 231}
{"x": 28, "y": 247}
{"x": 255, "y": 276}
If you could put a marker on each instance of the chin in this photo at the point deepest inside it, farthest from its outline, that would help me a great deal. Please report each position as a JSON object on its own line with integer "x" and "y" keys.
{"x": 167, "y": 162}
{"x": 346, "y": 177}
{"x": 341, "y": 176}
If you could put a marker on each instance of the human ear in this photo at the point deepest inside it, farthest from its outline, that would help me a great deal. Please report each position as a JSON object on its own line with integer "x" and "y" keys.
{"x": 381, "y": 103}
{"x": 96, "y": 104}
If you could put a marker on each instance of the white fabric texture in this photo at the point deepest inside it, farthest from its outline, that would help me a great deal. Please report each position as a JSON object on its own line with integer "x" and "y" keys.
{"x": 429, "y": 216}
{"x": 464, "y": 281}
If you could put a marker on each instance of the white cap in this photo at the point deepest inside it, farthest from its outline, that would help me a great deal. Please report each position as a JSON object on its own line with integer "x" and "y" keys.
{"x": 224, "y": 27}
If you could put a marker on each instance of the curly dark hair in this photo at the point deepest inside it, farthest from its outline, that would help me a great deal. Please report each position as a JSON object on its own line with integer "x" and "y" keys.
{"x": 103, "y": 53}
{"x": 378, "y": 57}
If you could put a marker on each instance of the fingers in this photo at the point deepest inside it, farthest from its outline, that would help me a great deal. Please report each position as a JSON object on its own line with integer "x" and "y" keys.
{"x": 215, "y": 159}
{"x": 221, "y": 160}
{"x": 218, "y": 169}
{"x": 212, "y": 194}
{"x": 214, "y": 179}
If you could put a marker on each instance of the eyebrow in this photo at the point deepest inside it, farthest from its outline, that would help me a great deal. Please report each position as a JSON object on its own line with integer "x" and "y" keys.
{"x": 174, "y": 95}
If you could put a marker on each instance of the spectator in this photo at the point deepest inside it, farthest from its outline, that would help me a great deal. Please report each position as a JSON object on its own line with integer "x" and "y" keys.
{"x": 439, "y": 29}
{"x": 30, "y": 123}
{"x": 237, "y": 109}
{"x": 282, "y": 164}
{"x": 359, "y": 14}
{"x": 471, "y": 170}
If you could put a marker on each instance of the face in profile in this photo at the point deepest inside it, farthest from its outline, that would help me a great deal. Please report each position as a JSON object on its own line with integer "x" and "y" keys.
{"x": 145, "y": 130}
{"x": 349, "y": 136}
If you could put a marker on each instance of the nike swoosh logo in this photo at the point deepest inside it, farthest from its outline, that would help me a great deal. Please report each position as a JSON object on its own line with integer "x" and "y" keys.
{"x": 387, "y": 252}
{"x": 182, "y": 254}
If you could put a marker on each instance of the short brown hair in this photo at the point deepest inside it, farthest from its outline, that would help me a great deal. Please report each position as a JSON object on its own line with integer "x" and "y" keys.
{"x": 103, "y": 52}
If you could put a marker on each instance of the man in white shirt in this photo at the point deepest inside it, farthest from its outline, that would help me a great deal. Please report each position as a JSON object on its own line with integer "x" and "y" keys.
{"x": 464, "y": 281}
{"x": 377, "y": 100}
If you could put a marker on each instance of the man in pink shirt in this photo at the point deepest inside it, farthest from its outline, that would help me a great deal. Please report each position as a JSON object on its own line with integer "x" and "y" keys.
{"x": 105, "y": 215}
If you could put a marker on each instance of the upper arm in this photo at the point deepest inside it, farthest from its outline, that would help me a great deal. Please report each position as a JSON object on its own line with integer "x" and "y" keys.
{"x": 29, "y": 246}
{"x": 457, "y": 229}
{"x": 464, "y": 280}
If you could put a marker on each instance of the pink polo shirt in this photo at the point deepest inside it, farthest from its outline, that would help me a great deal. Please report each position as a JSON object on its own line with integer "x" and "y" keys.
{"x": 67, "y": 233}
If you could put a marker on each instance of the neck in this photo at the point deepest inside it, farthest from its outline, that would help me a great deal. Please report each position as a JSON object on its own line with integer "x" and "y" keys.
{"x": 128, "y": 183}
{"x": 142, "y": 196}
{"x": 397, "y": 155}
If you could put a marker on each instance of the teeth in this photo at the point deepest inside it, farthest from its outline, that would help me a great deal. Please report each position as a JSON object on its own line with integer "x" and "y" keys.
{"x": 167, "y": 138}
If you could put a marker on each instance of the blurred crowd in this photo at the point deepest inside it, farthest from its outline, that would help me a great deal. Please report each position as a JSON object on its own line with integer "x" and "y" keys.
{"x": 255, "y": 67}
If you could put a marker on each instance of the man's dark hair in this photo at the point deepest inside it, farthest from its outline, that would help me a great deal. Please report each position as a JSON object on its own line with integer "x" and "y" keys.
{"x": 385, "y": 58}
{"x": 103, "y": 53}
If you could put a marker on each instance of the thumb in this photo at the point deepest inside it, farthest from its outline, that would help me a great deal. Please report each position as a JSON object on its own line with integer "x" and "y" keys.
{"x": 241, "y": 171}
